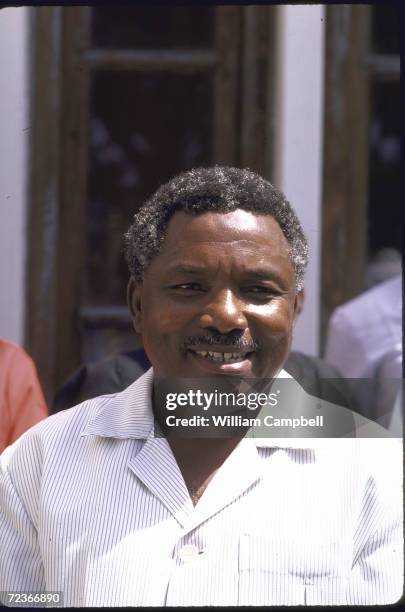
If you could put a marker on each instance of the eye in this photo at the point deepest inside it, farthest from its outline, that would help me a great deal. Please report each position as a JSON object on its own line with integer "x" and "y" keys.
{"x": 187, "y": 287}
{"x": 262, "y": 291}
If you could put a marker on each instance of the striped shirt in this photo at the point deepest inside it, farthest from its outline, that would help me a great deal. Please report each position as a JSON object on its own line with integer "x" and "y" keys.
{"x": 94, "y": 505}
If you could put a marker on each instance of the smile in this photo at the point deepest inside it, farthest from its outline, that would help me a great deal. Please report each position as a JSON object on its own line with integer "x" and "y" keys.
{"x": 218, "y": 357}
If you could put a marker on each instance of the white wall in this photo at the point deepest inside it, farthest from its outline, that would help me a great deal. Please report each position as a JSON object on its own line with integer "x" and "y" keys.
{"x": 299, "y": 120}
{"x": 13, "y": 169}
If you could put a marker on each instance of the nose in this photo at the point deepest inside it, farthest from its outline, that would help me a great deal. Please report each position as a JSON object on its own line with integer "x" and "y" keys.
{"x": 224, "y": 312}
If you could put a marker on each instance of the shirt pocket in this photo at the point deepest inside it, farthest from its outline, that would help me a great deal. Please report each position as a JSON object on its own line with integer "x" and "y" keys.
{"x": 282, "y": 572}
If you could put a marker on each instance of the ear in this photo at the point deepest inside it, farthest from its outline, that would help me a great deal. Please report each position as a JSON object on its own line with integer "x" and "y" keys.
{"x": 298, "y": 304}
{"x": 134, "y": 301}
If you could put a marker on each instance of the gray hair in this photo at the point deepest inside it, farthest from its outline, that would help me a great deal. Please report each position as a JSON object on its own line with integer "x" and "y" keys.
{"x": 219, "y": 189}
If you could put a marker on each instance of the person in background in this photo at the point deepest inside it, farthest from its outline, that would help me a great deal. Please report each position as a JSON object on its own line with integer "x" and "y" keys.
{"x": 365, "y": 344}
{"x": 385, "y": 264}
{"x": 22, "y": 403}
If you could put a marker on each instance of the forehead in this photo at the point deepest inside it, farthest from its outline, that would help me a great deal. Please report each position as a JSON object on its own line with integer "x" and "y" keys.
{"x": 236, "y": 226}
{"x": 238, "y": 237}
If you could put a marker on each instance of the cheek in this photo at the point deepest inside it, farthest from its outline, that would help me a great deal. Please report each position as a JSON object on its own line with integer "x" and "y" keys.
{"x": 163, "y": 317}
{"x": 275, "y": 318}
{"x": 162, "y": 326}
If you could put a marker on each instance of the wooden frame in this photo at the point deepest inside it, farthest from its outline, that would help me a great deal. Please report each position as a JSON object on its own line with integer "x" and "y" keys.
{"x": 43, "y": 209}
{"x": 345, "y": 174}
{"x": 227, "y": 84}
{"x": 57, "y": 189}
{"x": 257, "y": 125}
{"x": 351, "y": 66}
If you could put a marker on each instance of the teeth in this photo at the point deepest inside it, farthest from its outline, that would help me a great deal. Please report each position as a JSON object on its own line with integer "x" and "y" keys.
{"x": 222, "y": 357}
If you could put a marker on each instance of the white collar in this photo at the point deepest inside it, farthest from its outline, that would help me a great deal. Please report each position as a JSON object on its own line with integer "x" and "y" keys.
{"x": 129, "y": 415}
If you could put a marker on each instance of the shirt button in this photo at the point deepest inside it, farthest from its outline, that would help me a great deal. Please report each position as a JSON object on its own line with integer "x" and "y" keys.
{"x": 188, "y": 553}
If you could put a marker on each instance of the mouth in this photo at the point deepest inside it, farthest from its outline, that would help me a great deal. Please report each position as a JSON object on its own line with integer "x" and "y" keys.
{"x": 221, "y": 356}
{"x": 220, "y": 360}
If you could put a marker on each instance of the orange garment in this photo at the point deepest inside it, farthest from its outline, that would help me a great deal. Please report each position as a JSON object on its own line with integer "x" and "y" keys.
{"x": 22, "y": 402}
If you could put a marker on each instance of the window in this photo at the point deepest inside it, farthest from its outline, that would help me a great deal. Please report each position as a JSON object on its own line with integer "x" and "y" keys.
{"x": 122, "y": 99}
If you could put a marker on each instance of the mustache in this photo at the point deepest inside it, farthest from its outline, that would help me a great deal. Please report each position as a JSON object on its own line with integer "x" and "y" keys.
{"x": 233, "y": 339}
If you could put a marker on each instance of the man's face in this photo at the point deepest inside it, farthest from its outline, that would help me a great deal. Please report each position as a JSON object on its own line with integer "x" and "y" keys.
{"x": 219, "y": 298}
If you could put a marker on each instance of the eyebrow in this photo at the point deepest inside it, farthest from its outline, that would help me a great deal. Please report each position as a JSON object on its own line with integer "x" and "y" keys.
{"x": 186, "y": 269}
{"x": 266, "y": 274}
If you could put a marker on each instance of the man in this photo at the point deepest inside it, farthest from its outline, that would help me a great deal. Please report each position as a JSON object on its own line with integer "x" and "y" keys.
{"x": 97, "y": 504}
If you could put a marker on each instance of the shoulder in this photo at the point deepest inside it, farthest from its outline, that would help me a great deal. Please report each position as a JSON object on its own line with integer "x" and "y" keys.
{"x": 381, "y": 461}
{"x": 371, "y": 465}
{"x": 58, "y": 431}
{"x": 13, "y": 355}
{"x": 64, "y": 435}
{"x": 110, "y": 375}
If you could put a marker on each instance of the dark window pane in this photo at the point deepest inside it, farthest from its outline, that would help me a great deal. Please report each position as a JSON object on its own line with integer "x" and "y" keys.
{"x": 142, "y": 27}
{"x": 384, "y": 167}
{"x": 385, "y": 28}
{"x": 144, "y": 129}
